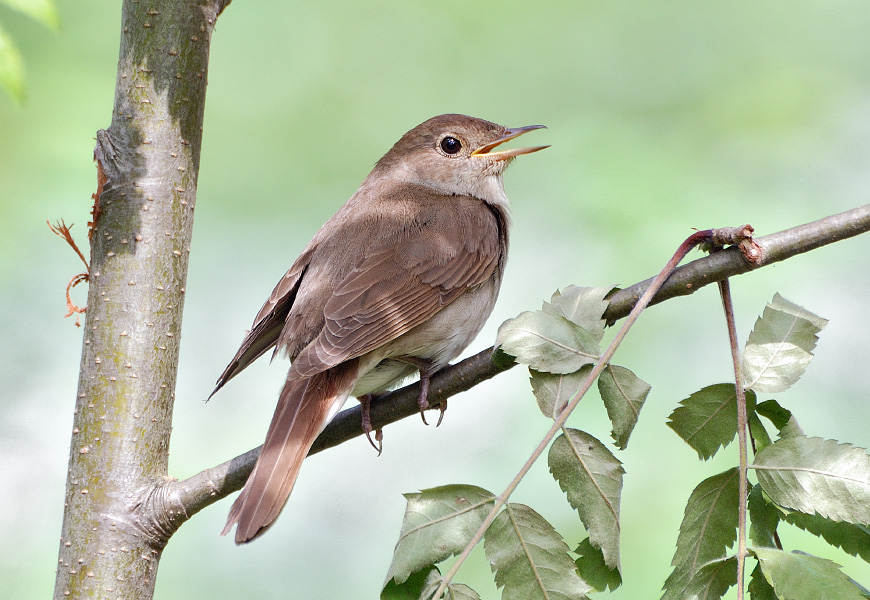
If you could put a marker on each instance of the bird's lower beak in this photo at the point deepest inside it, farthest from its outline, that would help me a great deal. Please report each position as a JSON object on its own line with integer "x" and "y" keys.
{"x": 509, "y": 135}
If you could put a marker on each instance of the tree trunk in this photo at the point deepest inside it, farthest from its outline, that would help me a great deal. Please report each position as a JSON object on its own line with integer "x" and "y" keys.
{"x": 148, "y": 162}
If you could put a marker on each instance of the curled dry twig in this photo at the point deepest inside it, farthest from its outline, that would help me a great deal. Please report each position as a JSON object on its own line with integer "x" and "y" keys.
{"x": 61, "y": 230}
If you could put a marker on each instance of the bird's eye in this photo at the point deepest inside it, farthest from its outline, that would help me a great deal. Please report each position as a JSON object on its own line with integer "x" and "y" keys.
{"x": 450, "y": 145}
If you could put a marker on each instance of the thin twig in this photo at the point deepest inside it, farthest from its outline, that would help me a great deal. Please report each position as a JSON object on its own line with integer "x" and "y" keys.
{"x": 725, "y": 292}
{"x": 61, "y": 230}
{"x": 603, "y": 361}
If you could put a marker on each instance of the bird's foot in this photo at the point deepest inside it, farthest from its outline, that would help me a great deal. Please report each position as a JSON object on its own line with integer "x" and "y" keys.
{"x": 366, "y": 404}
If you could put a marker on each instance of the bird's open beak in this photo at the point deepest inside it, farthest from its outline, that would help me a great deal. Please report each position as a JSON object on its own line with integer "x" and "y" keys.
{"x": 509, "y": 135}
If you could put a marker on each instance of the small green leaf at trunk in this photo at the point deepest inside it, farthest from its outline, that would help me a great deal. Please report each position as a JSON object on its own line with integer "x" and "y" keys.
{"x": 707, "y": 420}
{"x": 530, "y": 559}
{"x": 780, "y": 346}
{"x": 623, "y": 394}
{"x": 593, "y": 570}
{"x": 709, "y": 527}
{"x": 547, "y": 342}
{"x": 813, "y": 475}
{"x": 439, "y": 522}
{"x": 805, "y": 577}
{"x": 582, "y": 306}
{"x": 592, "y": 479}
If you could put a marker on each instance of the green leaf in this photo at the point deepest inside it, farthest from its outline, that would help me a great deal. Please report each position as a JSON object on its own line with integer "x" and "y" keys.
{"x": 43, "y": 12}
{"x": 593, "y": 570}
{"x": 553, "y": 392}
{"x": 592, "y": 478}
{"x": 582, "y": 306}
{"x": 547, "y": 342}
{"x": 530, "y": 559}
{"x": 804, "y": 577}
{"x": 775, "y": 413}
{"x": 422, "y": 584}
{"x": 758, "y": 432}
{"x": 707, "y": 420}
{"x": 764, "y": 517}
{"x": 780, "y": 346}
{"x": 11, "y": 68}
{"x": 813, "y": 475}
{"x": 758, "y": 588}
{"x": 853, "y": 539}
{"x": 709, "y": 527}
{"x": 439, "y": 522}
{"x": 623, "y": 394}
{"x": 712, "y": 580}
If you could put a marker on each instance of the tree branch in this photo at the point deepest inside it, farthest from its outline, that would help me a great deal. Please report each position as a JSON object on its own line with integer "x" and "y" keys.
{"x": 203, "y": 489}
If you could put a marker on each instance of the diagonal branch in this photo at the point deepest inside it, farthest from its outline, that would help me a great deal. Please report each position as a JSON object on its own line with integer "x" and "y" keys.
{"x": 203, "y": 489}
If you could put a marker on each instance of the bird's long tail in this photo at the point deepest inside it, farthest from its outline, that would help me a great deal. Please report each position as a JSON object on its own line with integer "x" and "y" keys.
{"x": 303, "y": 407}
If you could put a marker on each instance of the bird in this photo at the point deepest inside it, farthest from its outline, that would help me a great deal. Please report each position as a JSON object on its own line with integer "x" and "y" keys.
{"x": 400, "y": 280}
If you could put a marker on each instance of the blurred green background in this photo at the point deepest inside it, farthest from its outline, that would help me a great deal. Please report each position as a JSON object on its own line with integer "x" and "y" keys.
{"x": 662, "y": 117}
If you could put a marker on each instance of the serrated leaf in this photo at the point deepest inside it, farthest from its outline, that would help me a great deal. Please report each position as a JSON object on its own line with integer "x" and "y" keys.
{"x": 554, "y": 391}
{"x": 813, "y": 475}
{"x": 707, "y": 420}
{"x": 547, "y": 342}
{"x": 804, "y": 577}
{"x": 439, "y": 522}
{"x": 592, "y": 479}
{"x": 758, "y": 432}
{"x": 458, "y": 591}
{"x": 623, "y": 394}
{"x": 764, "y": 518}
{"x": 781, "y": 418}
{"x": 593, "y": 570}
{"x": 780, "y": 346}
{"x": 853, "y": 539}
{"x": 423, "y": 584}
{"x": 530, "y": 559}
{"x": 413, "y": 587}
{"x": 11, "y": 68}
{"x": 759, "y": 588}
{"x": 774, "y": 412}
{"x": 709, "y": 527}
{"x": 582, "y": 306}
{"x": 712, "y": 580}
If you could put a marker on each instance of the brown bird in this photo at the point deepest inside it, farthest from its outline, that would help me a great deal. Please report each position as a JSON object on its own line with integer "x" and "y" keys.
{"x": 400, "y": 279}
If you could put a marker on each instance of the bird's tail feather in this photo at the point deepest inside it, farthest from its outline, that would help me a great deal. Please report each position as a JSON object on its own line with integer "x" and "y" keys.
{"x": 303, "y": 407}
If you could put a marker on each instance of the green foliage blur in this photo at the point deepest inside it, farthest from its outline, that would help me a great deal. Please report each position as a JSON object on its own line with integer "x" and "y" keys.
{"x": 662, "y": 117}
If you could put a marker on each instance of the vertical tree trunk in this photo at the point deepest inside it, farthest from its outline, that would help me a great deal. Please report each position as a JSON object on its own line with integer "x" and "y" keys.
{"x": 148, "y": 162}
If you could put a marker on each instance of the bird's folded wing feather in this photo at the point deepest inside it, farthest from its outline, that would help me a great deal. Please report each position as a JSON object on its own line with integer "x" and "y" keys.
{"x": 404, "y": 281}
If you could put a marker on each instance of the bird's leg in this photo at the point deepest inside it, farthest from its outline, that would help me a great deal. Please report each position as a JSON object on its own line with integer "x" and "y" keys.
{"x": 365, "y": 405}
{"x": 427, "y": 369}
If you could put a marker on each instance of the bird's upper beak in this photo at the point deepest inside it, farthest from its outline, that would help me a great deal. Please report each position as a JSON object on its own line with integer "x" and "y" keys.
{"x": 486, "y": 150}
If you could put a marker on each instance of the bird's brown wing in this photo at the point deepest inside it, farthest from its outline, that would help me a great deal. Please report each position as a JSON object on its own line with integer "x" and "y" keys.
{"x": 452, "y": 244}
{"x": 269, "y": 322}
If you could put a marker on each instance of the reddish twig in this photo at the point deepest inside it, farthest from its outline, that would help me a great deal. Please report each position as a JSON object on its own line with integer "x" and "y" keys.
{"x": 61, "y": 230}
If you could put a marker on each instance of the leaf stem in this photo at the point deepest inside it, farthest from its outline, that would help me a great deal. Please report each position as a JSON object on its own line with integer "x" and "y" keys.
{"x": 690, "y": 242}
{"x": 725, "y": 292}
